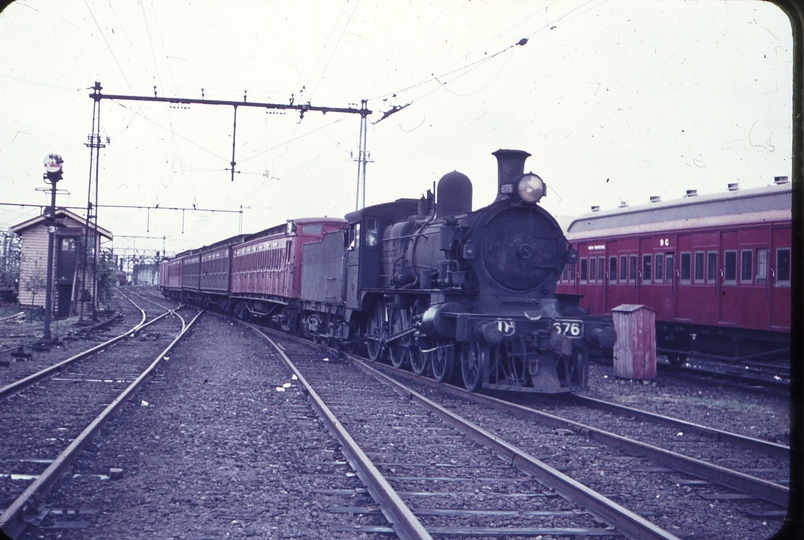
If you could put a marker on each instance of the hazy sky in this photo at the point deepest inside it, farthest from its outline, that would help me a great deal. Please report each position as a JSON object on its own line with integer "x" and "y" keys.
{"x": 615, "y": 100}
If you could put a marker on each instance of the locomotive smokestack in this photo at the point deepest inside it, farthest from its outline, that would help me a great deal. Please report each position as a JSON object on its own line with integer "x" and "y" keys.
{"x": 510, "y": 164}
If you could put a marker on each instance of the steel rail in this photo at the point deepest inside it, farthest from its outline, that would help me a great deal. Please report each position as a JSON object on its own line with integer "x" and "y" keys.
{"x": 749, "y": 443}
{"x": 766, "y": 384}
{"x": 405, "y": 523}
{"x": 626, "y": 522}
{"x": 762, "y": 489}
{"x": 20, "y": 385}
{"x": 12, "y": 521}
{"x": 154, "y": 302}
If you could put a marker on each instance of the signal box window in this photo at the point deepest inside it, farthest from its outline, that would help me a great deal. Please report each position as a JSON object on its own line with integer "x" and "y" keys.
{"x": 592, "y": 269}
{"x": 783, "y": 266}
{"x": 657, "y": 268}
{"x": 669, "y": 263}
{"x": 699, "y": 266}
{"x": 623, "y": 268}
{"x": 684, "y": 269}
{"x": 730, "y": 267}
{"x": 711, "y": 267}
{"x": 646, "y": 260}
{"x": 762, "y": 265}
{"x": 583, "y": 270}
{"x": 746, "y": 265}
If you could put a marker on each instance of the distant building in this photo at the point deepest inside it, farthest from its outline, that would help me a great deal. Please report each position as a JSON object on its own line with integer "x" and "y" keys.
{"x": 67, "y": 279}
{"x": 145, "y": 274}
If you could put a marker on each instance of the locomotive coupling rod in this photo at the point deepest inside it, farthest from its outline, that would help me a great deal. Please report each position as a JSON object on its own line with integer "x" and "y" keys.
{"x": 384, "y": 340}
{"x": 400, "y": 335}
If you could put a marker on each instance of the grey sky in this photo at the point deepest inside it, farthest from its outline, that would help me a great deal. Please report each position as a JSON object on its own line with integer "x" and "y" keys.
{"x": 616, "y": 100}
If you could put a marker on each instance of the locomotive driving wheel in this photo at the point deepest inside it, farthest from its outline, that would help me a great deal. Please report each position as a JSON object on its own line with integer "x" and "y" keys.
{"x": 376, "y": 332}
{"x": 442, "y": 360}
{"x": 474, "y": 362}
{"x": 419, "y": 360}
{"x": 400, "y": 349}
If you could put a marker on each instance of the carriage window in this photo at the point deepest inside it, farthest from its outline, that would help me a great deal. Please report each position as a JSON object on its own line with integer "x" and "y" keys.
{"x": 746, "y": 265}
{"x": 592, "y": 268}
{"x": 657, "y": 268}
{"x": 612, "y": 268}
{"x": 623, "y": 268}
{"x": 312, "y": 229}
{"x": 565, "y": 274}
{"x": 762, "y": 265}
{"x": 730, "y": 267}
{"x": 646, "y": 260}
{"x": 288, "y": 247}
{"x": 669, "y": 261}
{"x": 699, "y": 266}
{"x": 711, "y": 267}
{"x": 583, "y": 270}
{"x": 372, "y": 232}
{"x": 632, "y": 268}
{"x": 685, "y": 267}
{"x": 572, "y": 273}
{"x": 783, "y": 265}
{"x": 600, "y": 268}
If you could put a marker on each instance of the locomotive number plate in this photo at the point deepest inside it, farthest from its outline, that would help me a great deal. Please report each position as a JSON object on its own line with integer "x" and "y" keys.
{"x": 569, "y": 327}
{"x": 507, "y": 328}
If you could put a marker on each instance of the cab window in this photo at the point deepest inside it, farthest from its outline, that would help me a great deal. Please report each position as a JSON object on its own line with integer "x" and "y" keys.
{"x": 372, "y": 232}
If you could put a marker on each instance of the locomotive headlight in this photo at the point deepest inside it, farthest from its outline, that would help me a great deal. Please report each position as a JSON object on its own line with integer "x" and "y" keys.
{"x": 531, "y": 188}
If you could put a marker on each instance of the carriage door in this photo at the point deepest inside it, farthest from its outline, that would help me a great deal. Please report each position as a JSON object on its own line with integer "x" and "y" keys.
{"x": 729, "y": 297}
{"x": 645, "y": 289}
{"x": 683, "y": 277}
{"x": 611, "y": 276}
{"x": 779, "y": 281}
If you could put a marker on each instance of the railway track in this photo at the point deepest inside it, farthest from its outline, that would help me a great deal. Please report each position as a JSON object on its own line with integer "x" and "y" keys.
{"x": 772, "y": 379}
{"x": 40, "y": 446}
{"x": 701, "y": 466}
{"x": 754, "y": 467}
{"x": 452, "y": 476}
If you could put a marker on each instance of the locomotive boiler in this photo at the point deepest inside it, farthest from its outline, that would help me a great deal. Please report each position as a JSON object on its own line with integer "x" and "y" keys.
{"x": 436, "y": 284}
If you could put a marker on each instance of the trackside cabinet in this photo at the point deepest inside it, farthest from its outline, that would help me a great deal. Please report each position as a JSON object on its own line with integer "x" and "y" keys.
{"x": 635, "y": 349}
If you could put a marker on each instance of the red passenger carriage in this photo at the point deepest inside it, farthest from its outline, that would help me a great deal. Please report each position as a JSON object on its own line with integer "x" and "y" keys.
{"x": 715, "y": 268}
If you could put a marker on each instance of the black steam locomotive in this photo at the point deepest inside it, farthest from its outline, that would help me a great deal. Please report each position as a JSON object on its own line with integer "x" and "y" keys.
{"x": 430, "y": 283}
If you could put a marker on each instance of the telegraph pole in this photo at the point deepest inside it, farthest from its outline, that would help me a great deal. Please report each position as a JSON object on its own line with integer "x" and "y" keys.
{"x": 53, "y": 173}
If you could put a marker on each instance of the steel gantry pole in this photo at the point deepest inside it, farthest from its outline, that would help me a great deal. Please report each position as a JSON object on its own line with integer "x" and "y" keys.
{"x": 362, "y": 157}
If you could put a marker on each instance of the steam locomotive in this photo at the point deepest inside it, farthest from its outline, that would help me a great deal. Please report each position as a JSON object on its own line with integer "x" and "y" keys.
{"x": 427, "y": 283}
